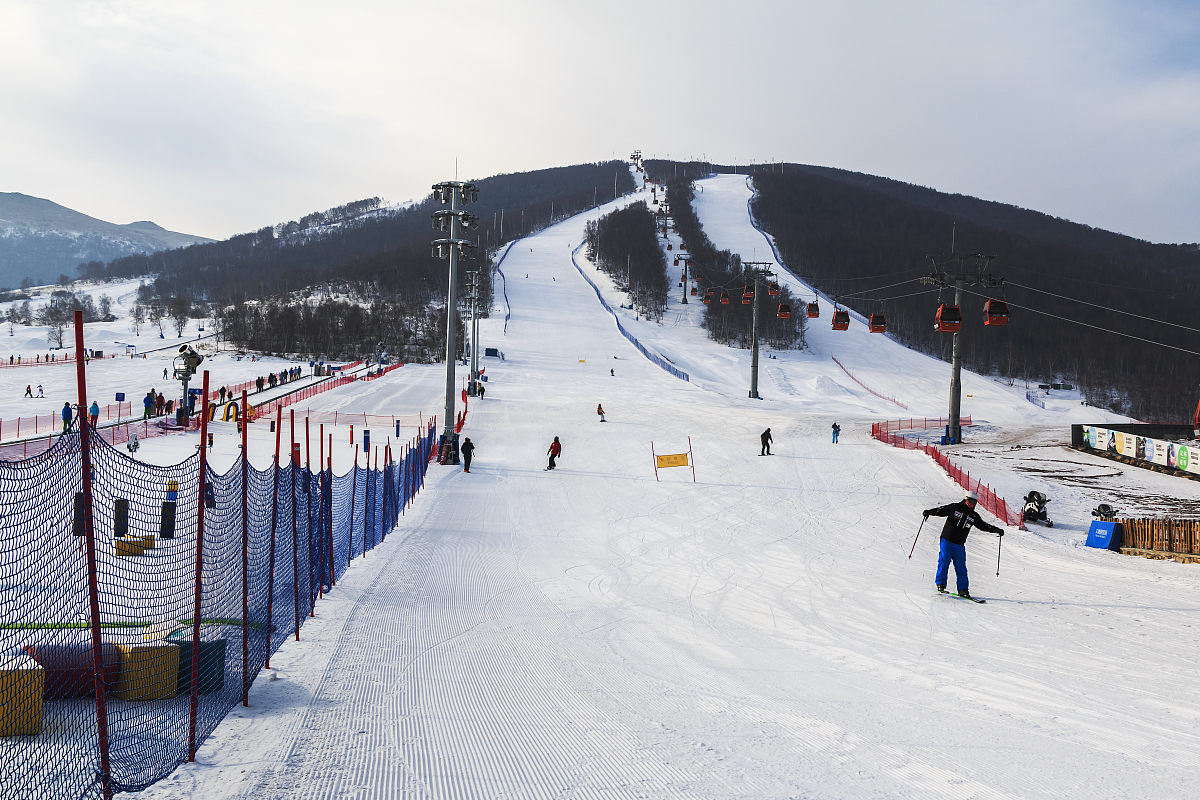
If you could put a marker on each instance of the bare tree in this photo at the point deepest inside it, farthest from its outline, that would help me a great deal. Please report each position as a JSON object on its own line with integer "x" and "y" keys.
{"x": 137, "y": 317}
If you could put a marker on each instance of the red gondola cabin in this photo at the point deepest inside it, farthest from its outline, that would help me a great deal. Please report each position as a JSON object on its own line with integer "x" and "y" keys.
{"x": 878, "y": 324}
{"x": 841, "y": 319}
{"x": 773, "y": 289}
{"x": 814, "y": 310}
{"x": 948, "y": 319}
{"x": 995, "y": 312}
{"x": 724, "y": 298}
{"x": 785, "y": 310}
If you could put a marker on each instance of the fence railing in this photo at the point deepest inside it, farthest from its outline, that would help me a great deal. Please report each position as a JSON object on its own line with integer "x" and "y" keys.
{"x": 654, "y": 358}
{"x": 49, "y": 360}
{"x": 1163, "y": 535}
{"x": 194, "y": 585}
{"x": 868, "y": 388}
{"x": 988, "y": 499}
{"x": 45, "y": 424}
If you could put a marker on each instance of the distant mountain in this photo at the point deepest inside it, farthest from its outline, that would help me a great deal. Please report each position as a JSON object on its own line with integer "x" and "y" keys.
{"x": 40, "y": 239}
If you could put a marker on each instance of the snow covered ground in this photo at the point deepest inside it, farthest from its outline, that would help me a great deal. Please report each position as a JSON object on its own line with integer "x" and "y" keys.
{"x": 761, "y": 632}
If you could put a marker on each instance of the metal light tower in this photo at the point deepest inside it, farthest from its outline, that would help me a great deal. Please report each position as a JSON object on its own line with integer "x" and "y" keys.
{"x": 473, "y": 385}
{"x": 959, "y": 278}
{"x": 756, "y": 270}
{"x": 452, "y": 192}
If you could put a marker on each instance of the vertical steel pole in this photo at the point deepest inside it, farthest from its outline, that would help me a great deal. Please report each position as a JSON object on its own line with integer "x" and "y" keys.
{"x": 451, "y": 317}
{"x": 295, "y": 459}
{"x": 956, "y": 375}
{"x": 314, "y": 569}
{"x": 93, "y": 579}
{"x": 195, "y": 704}
{"x": 754, "y": 348}
{"x": 245, "y": 555}
{"x": 353, "y": 497}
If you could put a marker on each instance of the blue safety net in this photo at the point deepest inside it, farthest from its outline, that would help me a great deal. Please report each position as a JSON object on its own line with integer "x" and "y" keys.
{"x": 273, "y": 542}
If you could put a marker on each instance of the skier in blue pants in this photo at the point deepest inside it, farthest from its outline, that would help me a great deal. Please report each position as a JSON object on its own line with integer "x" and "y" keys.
{"x": 960, "y": 518}
{"x": 836, "y": 430}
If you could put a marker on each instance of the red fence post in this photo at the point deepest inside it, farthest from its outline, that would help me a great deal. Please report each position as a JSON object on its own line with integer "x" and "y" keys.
{"x": 195, "y": 704}
{"x": 85, "y": 459}
{"x": 245, "y": 555}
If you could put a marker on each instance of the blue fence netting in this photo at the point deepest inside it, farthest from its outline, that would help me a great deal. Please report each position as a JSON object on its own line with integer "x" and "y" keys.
{"x": 653, "y": 357}
{"x": 273, "y": 541}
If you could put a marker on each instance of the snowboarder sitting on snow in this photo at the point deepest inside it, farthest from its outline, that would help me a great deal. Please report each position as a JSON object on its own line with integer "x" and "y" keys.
{"x": 554, "y": 452}
{"x": 836, "y": 430}
{"x": 766, "y": 440}
{"x": 467, "y": 449}
{"x": 600, "y": 411}
{"x": 960, "y": 517}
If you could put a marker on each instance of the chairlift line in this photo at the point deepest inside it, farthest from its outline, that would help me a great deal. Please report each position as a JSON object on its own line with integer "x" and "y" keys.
{"x": 1106, "y": 308}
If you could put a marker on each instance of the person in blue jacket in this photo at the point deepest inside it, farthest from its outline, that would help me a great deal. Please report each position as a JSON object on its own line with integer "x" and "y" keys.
{"x": 94, "y": 413}
{"x": 66, "y": 417}
{"x": 960, "y": 518}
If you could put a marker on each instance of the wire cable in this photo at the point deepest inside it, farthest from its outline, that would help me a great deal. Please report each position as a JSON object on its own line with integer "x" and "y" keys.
{"x": 884, "y": 275}
{"x": 1081, "y": 280}
{"x": 879, "y": 288}
{"x": 1106, "y": 308}
{"x": 1089, "y": 325}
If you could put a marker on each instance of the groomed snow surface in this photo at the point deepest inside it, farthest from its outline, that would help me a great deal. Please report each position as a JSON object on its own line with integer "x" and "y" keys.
{"x": 594, "y": 633}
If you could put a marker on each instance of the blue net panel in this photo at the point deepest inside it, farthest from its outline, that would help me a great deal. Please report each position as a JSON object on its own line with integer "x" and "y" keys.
{"x": 273, "y": 541}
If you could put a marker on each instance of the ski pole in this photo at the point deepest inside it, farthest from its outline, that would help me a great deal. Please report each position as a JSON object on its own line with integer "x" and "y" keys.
{"x": 918, "y": 536}
{"x": 998, "y": 546}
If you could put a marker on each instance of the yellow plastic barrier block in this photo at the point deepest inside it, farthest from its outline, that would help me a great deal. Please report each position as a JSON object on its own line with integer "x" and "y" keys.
{"x": 21, "y": 683}
{"x": 129, "y": 547}
{"x": 147, "y": 541}
{"x": 148, "y": 671}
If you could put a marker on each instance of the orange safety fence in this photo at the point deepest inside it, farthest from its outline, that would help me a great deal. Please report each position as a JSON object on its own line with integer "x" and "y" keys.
{"x": 988, "y": 499}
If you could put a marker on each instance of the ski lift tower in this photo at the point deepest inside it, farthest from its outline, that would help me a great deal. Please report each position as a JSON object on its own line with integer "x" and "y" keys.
{"x": 452, "y": 221}
{"x": 756, "y": 271}
{"x": 959, "y": 271}
{"x": 686, "y": 258}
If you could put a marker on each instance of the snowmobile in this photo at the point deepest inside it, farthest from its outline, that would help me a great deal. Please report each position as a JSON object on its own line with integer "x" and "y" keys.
{"x": 1035, "y": 509}
{"x": 1105, "y": 511}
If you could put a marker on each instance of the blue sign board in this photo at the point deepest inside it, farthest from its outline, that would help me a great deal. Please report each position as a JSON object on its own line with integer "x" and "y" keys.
{"x": 1104, "y": 535}
{"x": 120, "y": 397}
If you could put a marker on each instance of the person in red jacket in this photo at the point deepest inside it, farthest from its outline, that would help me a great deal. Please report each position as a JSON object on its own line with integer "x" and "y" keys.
{"x": 555, "y": 451}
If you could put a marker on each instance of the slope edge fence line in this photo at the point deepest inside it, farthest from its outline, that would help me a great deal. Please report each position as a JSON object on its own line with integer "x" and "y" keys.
{"x": 988, "y": 499}
{"x": 138, "y": 602}
{"x": 868, "y": 388}
{"x": 654, "y": 358}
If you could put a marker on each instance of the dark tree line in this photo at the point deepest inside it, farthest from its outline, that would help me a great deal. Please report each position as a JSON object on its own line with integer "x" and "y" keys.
{"x": 624, "y": 245}
{"x": 853, "y": 235}
{"x": 721, "y": 270}
{"x": 361, "y": 254}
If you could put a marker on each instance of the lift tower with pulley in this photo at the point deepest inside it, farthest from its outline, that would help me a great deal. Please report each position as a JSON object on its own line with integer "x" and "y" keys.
{"x": 958, "y": 271}
{"x": 452, "y": 221}
{"x": 756, "y": 271}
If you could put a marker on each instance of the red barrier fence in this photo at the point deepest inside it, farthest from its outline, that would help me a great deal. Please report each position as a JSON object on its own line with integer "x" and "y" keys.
{"x": 381, "y": 372}
{"x": 44, "y": 424}
{"x": 988, "y": 499}
{"x": 271, "y": 406}
{"x": 868, "y": 388}
{"x": 38, "y": 361}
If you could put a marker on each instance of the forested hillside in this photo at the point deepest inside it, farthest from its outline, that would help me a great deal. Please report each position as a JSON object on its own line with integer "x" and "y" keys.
{"x": 356, "y": 265}
{"x": 624, "y": 244}
{"x": 866, "y": 241}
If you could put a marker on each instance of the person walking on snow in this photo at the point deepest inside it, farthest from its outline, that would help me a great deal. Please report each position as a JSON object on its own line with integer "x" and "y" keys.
{"x": 467, "y": 449}
{"x": 554, "y": 452}
{"x": 93, "y": 413}
{"x": 836, "y": 430}
{"x": 960, "y": 518}
{"x": 766, "y": 440}
{"x": 600, "y": 411}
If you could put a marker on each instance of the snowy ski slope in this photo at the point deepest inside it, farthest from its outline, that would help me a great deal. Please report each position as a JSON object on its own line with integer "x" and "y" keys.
{"x": 593, "y": 633}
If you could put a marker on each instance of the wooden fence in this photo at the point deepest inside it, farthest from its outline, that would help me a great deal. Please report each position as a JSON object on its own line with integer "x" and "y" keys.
{"x": 1168, "y": 537}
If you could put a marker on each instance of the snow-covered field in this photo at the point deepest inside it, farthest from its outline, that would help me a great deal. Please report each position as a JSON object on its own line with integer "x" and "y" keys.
{"x": 761, "y": 632}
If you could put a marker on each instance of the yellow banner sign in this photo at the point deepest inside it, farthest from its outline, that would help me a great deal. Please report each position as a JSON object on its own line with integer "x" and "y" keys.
{"x": 678, "y": 460}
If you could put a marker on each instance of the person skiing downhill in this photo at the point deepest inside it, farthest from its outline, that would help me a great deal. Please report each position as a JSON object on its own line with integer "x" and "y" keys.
{"x": 960, "y": 517}
{"x": 765, "y": 438}
{"x": 40, "y": 393}
{"x": 554, "y": 452}
{"x": 467, "y": 449}
{"x": 600, "y": 411}
{"x": 836, "y": 430}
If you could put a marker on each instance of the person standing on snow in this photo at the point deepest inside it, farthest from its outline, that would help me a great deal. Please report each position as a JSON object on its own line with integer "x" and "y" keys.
{"x": 467, "y": 449}
{"x": 40, "y": 392}
{"x": 836, "y": 430}
{"x": 148, "y": 404}
{"x": 960, "y": 517}
{"x": 766, "y": 440}
{"x": 94, "y": 413}
{"x": 66, "y": 417}
{"x": 600, "y": 411}
{"x": 29, "y": 390}
{"x": 554, "y": 452}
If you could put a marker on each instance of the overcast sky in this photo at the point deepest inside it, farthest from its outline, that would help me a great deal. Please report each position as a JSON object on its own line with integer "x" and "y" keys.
{"x": 216, "y": 118}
